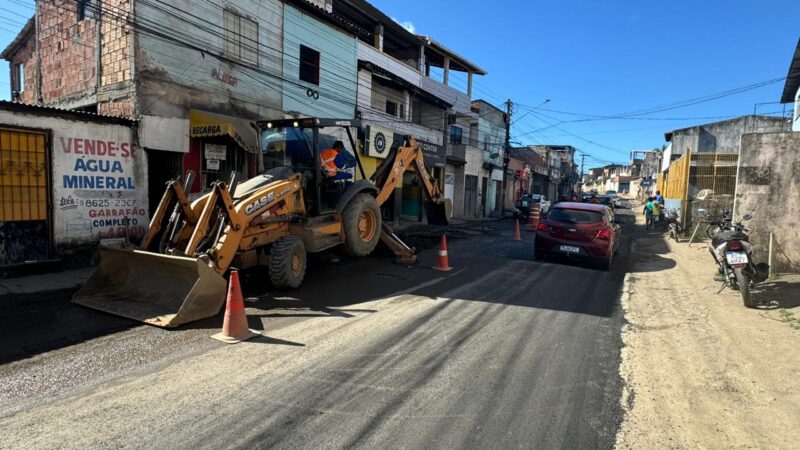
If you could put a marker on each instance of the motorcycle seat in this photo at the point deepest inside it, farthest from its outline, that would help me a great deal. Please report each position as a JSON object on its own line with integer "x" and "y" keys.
{"x": 728, "y": 235}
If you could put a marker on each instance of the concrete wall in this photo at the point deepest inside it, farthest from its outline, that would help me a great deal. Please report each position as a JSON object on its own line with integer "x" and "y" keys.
{"x": 338, "y": 71}
{"x": 410, "y": 74}
{"x": 87, "y": 211}
{"x": 723, "y": 137}
{"x": 381, "y": 93}
{"x": 474, "y": 157}
{"x": 491, "y": 139}
{"x": 769, "y": 189}
{"x": 172, "y": 78}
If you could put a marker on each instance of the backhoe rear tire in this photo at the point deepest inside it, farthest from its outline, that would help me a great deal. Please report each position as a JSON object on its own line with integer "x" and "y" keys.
{"x": 287, "y": 262}
{"x": 362, "y": 225}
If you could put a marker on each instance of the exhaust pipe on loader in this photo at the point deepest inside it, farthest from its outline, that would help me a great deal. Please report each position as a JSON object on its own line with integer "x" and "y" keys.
{"x": 161, "y": 290}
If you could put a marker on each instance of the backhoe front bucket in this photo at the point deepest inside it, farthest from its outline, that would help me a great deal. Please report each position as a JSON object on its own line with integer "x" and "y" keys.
{"x": 438, "y": 213}
{"x": 161, "y": 290}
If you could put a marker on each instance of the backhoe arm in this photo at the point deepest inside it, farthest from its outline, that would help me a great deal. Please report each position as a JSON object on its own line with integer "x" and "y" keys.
{"x": 387, "y": 176}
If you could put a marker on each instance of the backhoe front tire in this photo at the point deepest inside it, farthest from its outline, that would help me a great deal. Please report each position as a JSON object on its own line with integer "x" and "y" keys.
{"x": 287, "y": 262}
{"x": 361, "y": 221}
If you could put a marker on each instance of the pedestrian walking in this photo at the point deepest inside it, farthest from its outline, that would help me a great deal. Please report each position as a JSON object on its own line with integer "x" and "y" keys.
{"x": 648, "y": 212}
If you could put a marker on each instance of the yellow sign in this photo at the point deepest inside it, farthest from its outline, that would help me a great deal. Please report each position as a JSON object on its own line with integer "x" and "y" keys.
{"x": 206, "y": 124}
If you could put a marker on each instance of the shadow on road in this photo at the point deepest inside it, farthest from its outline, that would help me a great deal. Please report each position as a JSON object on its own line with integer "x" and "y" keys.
{"x": 777, "y": 293}
{"x": 490, "y": 267}
{"x": 36, "y": 323}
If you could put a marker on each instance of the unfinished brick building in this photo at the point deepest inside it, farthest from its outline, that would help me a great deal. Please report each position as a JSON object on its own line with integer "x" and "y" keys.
{"x": 60, "y": 52}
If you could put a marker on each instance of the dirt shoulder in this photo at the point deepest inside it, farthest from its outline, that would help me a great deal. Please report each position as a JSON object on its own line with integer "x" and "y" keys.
{"x": 701, "y": 370}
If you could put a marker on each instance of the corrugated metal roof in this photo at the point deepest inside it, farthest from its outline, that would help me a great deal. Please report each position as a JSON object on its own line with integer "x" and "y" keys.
{"x": 67, "y": 113}
{"x": 27, "y": 29}
{"x": 793, "y": 78}
{"x": 452, "y": 55}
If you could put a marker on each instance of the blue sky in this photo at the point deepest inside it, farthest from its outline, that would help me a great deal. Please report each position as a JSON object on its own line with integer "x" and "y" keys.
{"x": 596, "y": 58}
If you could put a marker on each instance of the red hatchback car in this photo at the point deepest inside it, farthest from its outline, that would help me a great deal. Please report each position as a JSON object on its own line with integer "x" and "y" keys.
{"x": 579, "y": 231}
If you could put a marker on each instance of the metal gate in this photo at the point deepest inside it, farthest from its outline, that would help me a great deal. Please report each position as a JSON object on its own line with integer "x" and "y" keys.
{"x": 470, "y": 195}
{"x": 24, "y": 190}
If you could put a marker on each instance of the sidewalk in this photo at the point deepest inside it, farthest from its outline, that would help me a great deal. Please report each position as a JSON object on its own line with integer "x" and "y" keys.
{"x": 701, "y": 370}
{"x": 45, "y": 282}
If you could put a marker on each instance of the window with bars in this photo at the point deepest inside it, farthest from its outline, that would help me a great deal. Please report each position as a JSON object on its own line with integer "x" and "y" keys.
{"x": 309, "y": 65}
{"x": 391, "y": 108}
{"x": 456, "y": 135}
{"x": 241, "y": 37}
{"x": 18, "y": 80}
{"x": 84, "y": 9}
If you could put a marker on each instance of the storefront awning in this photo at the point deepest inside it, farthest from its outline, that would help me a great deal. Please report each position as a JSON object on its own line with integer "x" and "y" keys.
{"x": 208, "y": 124}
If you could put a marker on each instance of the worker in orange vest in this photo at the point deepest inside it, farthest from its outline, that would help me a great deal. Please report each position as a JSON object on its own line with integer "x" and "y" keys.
{"x": 333, "y": 162}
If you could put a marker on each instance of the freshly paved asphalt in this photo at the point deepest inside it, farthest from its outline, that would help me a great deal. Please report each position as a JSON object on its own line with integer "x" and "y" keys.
{"x": 501, "y": 352}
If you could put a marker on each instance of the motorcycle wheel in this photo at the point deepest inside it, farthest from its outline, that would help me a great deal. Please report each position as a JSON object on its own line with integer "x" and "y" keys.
{"x": 743, "y": 283}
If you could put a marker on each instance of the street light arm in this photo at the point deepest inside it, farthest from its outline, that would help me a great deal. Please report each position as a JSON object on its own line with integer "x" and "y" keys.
{"x": 531, "y": 110}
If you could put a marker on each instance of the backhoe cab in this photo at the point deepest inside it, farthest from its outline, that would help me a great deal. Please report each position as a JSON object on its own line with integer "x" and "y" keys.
{"x": 274, "y": 220}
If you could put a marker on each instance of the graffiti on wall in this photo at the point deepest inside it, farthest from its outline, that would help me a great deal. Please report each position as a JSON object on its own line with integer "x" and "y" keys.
{"x": 100, "y": 189}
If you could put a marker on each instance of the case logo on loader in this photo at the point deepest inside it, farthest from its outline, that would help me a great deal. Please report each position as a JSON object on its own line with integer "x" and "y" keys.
{"x": 260, "y": 203}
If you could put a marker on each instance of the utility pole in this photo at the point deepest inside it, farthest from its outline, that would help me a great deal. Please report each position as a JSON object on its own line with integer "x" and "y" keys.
{"x": 506, "y": 158}
{"x": 583, "y": 158}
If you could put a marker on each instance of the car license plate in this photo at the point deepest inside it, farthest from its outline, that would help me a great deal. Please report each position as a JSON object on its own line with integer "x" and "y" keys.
{"x": 524, "y": 203}
{"x": 736, "y": 258}
{"x": 570, "y": 249}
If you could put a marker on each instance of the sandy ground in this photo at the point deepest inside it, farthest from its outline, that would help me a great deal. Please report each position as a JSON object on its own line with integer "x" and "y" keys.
{"x": 702, "y": 371}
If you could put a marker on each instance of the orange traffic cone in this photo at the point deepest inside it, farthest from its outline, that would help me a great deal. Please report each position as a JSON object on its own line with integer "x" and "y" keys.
{"x": 533, "y": 217}
{"x": 516, "y": 231}
{"x": 234, "y": 327}
{"x": 443, "y": 263}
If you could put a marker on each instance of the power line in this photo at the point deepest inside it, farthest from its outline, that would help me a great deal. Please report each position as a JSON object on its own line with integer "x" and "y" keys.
{"x": 668, "y": 107}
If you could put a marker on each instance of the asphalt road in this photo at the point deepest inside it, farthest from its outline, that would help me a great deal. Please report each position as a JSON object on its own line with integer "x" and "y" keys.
{"x": 500, "y": 352}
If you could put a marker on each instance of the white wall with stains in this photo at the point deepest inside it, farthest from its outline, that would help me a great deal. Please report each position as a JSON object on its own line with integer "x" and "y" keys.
{"x": 98, "y": 179}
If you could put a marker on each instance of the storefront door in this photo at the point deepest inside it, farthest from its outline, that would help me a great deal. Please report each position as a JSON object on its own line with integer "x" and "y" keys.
{"x": 24, "y": 190}
{"x": 470, "y": 195}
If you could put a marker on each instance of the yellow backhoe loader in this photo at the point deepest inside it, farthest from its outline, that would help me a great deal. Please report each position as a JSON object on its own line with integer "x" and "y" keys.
{"x": 176, "y": 275}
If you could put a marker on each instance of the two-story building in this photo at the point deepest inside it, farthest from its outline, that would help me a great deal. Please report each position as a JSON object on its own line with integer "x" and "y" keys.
{"x": 399, "y": 96}
{"x": 490, "y": 140}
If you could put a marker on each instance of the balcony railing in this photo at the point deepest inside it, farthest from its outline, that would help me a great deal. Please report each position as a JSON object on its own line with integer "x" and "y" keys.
{"x": 457, "y": 151}
{"x": 459, "y": 100}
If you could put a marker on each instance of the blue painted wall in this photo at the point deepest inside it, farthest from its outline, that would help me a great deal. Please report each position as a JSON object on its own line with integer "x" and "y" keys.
{"x": 338, "y": 67}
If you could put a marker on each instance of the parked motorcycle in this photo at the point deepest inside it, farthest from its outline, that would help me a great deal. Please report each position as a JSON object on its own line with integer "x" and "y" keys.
{"x": 732, "y": 251}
